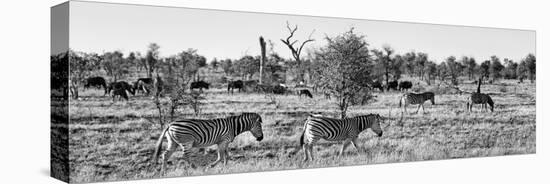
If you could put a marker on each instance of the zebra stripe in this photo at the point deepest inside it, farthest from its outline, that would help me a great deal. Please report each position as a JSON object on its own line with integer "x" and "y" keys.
{"x": 416, "y": 98}
{"x": 330, "y": 129}
{"x": 190, "y": 134}
{"x": 480, "y": 98}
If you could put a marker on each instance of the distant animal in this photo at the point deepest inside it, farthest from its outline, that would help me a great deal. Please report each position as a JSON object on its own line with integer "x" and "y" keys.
{"x": 416, "y": 98}
{"x": 97, "y": 82}
{"x": 238, "y": 84}
{"x": 377, "y": 85}
{"x": 144, "y": 85}
{"x": 119, "y": 89}
{"x": 305, "y": 92}
{"x": 480, "y": 98}
{"x": 279, "y": 89}
{"x": 392, "y": 85}
{"x": 190, "y": 134}
{"x": 263, "y": 88}
{"x": 200, "y": 85}
{"x": 317, "y": 127}
{"x": 405, "y": 85}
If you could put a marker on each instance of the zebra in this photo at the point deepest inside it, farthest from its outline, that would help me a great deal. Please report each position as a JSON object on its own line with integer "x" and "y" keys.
{"x": 347, "y": 130}
{"x": 480, "y": 98}
{"x": 416, "y": 98}
{"x": 200, "y": 133}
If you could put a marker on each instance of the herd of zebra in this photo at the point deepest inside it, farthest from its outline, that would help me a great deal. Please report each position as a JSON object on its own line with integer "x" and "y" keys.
{"x": 192, "y": 134}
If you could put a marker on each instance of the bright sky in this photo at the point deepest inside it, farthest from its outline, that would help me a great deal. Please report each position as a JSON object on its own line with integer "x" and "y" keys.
{"x": 99, "y": 27}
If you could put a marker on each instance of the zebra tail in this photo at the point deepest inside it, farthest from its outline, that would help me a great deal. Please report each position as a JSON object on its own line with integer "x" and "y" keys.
{"x": 159, "y": 144}
{"x": 302, "y": 138}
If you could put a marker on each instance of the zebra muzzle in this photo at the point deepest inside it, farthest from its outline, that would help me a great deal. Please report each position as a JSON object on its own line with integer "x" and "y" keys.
{"x": 259, "y": 138}
{"x": 380, "y": 134}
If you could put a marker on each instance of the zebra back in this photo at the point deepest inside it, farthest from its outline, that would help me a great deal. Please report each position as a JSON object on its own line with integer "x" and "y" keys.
{"x": 333, "y": 126}
{"x": 207, "y": 129}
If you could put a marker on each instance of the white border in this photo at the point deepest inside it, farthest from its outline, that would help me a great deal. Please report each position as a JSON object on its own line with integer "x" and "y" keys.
{"x": 25, "y": 90}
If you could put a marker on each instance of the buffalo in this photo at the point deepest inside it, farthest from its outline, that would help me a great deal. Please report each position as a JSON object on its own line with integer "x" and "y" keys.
{"x": 405, "y": 85}
{"x": 144, "y": 85}
{"x": 119, "y": 89}
{"x": 377, "y": 85}
{"x": 238, "y": 84}
{"x": 200, "y": 85}
{"x": 392, "y": 85}
{"x": 97, "y": 82}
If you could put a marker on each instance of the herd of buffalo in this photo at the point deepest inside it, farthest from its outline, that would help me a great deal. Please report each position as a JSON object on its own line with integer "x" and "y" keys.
{"x": 146, "y": 86}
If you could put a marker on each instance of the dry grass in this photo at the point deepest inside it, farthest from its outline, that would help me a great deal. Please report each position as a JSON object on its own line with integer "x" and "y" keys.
{"x": 111, "y": 141}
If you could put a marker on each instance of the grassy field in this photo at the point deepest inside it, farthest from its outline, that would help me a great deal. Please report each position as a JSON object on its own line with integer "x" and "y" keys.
{"x": 111, "y": 141}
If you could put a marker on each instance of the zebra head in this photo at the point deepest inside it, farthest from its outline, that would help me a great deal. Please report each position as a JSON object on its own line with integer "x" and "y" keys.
{"x": 375, "y": 124}
{"x": 256, "y": 126}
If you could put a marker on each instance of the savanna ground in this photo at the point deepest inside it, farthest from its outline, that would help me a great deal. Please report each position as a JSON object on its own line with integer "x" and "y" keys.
{"x": 112, "y": 141}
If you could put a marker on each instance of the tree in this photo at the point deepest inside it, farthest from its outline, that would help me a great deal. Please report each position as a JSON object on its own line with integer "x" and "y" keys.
{"x": 263, "y": 57}
{"x": 419, "y": 61}
{"x": 510, "y": 69}
{"x": 274, "y": 68}
{"x": 408, "y": 63}
{"x": 132, "y": 59}
{"x": 531, "y": 66}
{"x": 496, "y": 68}
{"x": 470, "y": 66}
{"x": 79, "y": 68}
{"x": 484, "y": 69}
{"x": 442, "y": 71}
{"x": 114, "y": 64}
{"x": 247, "y": 66}
{"x": 215, "y": 64}
{"x": 227, "y": 66}
{"x": 296, "y": 51}
{"x": 430, "y": 70}
{"x": 453, "y": 69}
{"x": 151, "y": 58}
{"x": 342, "y": 70}
{"x": 385, "y": 65}
{"x": 187, "y": 63}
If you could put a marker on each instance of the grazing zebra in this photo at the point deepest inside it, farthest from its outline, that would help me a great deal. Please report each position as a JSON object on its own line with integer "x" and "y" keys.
{"x": 198, "y": 133}
{"x": 416, "y": 98}
{"x": 317, "y": 127}
{"x": 480, "y": 98}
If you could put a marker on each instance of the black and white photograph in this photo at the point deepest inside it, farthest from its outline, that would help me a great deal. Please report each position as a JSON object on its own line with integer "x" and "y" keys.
{"x": 146, "y": 92}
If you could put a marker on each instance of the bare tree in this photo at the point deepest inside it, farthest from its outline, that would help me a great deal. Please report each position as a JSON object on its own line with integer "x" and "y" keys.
{"x": 263, "y": 59}
{"x": 296, "y": 51}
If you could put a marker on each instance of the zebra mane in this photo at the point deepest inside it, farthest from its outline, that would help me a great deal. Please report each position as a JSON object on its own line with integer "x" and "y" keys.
{"x": 368, "y": 115}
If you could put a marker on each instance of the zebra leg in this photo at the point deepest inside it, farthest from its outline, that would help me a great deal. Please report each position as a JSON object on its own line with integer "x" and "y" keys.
{"x": 304, "y": 147}
{"x": 167, "y": 153}
{"x": 417, "y": 109}
{"x": 221, "y": 154}
{"x": 310, "y": 150}
{"x": 187, "y": 151}
{"x": 423, "y": 110}
{"x": 344, "y": 146}
{"x": 354, "y": 143}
